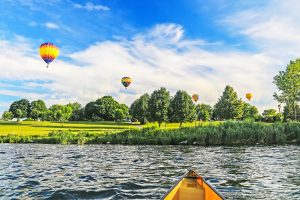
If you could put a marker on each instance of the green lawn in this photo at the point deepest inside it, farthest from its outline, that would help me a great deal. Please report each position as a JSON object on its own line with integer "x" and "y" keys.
{"x": 43, "y": 128}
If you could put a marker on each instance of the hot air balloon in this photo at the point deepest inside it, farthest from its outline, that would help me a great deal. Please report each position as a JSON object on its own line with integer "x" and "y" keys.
{"x": 126, "y": 81}
{"x": 48, "y": 52}
{"x": 195, "y": 97}
{"x": 249, "y": 96}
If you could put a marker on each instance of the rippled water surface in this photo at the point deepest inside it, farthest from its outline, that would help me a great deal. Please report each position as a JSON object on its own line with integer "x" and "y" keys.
{"x": 39, "y": 171}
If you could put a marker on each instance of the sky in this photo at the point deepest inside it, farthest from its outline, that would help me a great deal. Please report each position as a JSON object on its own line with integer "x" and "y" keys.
{"x": 193, "y": 45}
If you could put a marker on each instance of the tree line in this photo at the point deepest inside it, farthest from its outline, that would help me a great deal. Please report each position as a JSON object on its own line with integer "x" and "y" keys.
{"x": 161, "y": 107}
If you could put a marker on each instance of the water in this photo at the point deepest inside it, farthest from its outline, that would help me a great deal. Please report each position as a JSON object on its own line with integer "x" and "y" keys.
{"x": 39, "y": 171}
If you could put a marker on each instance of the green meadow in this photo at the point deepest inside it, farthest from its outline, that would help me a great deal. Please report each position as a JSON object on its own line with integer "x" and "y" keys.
{"x": 199, "y": 133}
{"x": 37, "y": 128}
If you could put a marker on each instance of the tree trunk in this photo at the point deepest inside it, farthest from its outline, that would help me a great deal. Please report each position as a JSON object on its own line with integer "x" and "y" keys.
{"x": 180, "y": 124}
{"x": 159, "y": 123}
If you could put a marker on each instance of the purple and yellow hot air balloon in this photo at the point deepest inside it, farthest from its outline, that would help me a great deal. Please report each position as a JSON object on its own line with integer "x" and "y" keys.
{"x": 126, "y": 81}
{"x": 48, "y": 52}
{"x": 195, "y": 97}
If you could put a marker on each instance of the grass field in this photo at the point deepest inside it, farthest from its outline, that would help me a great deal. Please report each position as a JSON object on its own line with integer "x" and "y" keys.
{"x": 29, "y": 128}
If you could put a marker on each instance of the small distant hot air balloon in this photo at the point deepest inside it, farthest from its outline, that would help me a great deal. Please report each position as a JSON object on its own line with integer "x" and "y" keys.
{"x": 195, "y": 97}
{"x": 48, "y": 52}
{"x": 126, "y": 81}
{"x": 249, "y": 96}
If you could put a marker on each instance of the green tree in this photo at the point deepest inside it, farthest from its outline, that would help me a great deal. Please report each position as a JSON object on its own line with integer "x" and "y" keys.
{"x": 204, "y": 112}
{"x": 270, "y": 115}
{"x": 106, "y": 107}
{"x": 182, "y": 108}
{"x": 37, "y": 109}
{"x": 20, "y": 109}
{"x": 228, "y": 106}
{"x": 124, "y": 109}
{"x": 119, "y": 115}
{"x": 158, "y": 106}
{"x": 7, "y": 115}
{"x": 289, "y": 112}
{"x": 288, "y": 84}
{"x": 76, "y": 112}
{"x": 139, "y": 109}
{"x": 60, "y": 112}
{"x": 250, "y": 112}
{"x": 90, "y": 110}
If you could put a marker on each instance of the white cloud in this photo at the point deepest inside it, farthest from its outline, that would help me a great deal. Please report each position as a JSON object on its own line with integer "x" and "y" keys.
{"x": 92, "y": 7}
{"x": 97, "y": 70}
{"x": 51, "y": 25}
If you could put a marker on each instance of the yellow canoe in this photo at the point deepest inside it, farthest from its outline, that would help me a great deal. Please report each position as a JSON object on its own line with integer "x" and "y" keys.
{"x": 192, "y": 187}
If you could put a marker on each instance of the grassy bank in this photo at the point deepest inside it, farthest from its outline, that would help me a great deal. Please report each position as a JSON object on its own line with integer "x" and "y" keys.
{"x": 228, "y": 133}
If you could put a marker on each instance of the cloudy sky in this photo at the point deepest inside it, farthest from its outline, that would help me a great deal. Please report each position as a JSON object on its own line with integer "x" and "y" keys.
{"x": 193, "y": 45}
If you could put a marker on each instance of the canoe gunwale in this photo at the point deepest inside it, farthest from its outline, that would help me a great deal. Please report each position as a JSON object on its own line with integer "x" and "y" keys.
{"x": 195, "y": 176}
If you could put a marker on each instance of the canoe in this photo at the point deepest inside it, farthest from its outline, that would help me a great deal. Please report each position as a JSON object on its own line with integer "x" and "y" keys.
{"x": 192, "y": 187}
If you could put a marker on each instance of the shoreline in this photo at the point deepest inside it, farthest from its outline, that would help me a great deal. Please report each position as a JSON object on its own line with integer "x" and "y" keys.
{"x": 223, "y": 134}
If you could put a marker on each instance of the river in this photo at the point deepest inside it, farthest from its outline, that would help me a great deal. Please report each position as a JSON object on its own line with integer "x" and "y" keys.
{"x": 40, "y": 171}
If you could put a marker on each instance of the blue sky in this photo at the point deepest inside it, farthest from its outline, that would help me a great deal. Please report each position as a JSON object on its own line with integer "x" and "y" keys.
{"x": 199, "y": 46}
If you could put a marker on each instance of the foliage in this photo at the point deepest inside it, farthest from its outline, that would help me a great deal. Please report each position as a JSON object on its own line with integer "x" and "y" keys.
{"x": 289, "y": 111}
{"x": 7, "y": 115}
{"x": 59, "y": 113}
{"x": 288, "y": 84}
{"x": 270, "y": 115}
{"x": 105, "y": 108}
{"x": 139, "y": 109}
{"x": 158, "y": 106}
{"x": 20, "y": 109}
{"x": 37, "y": 109}
{"x": 77, "y": 112}
{"x": 204, "y": 112}
{"x": 182, "y": 108}
{"x": 228, "y": 106}
{"x": 250, "y": 112}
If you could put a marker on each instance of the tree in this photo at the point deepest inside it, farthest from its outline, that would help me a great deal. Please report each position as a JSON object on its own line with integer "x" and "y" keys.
{"x": 182, "y": 108}
{"x": 139, "y": 109}
{"x": 250, "y": 112}
{"x": 158, "y": 106}
{"x": 204, "y": 112}
{"x": 20, "y": 109}
{"x": 106, "y": 107}
{"x": 76, "y": 113}
{"x": 37, "y": 109}
{"x": 119, "y": 115}
{"x": 288, "y": 84}
{"x": 289, "y": 112}
{"x": 228, "y": 106}
{"x": 60, "y": 112}
{"x": 90, "y": 110}
{"x": 7, "y": 115}
{"x": 270, "y": 115}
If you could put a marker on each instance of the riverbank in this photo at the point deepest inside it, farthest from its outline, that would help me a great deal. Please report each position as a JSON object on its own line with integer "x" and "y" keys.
{"x": 227, "y": 133}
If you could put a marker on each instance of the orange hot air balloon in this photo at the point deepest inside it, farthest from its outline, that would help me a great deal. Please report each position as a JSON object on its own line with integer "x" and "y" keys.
{"x": 195, "y": 97}
{"x": 126, "y": 81}
{"x": 249, "y": 96}
{"x": 48, "y": 52}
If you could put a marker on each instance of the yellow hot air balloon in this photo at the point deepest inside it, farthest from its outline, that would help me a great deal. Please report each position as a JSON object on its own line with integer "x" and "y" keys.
{"x": 249, "y": 96}
{"x": 195, "y": 97}
{"x": 48, "y": 52}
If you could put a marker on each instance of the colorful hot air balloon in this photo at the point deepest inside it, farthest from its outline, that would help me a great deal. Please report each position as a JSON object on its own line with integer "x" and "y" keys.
{"x": 249, "y": 96}
{"x": 48, "y": 52}
{"x": 126, "y": 81}
{"x": 195, "y": 97}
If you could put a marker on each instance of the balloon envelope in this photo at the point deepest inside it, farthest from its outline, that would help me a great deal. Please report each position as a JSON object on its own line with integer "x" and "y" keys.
{"x": 48, "y": 52}
{"x": 195, "y": 97}
{"x": 126, "y": 81}
{"x": 249, "y": 96}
